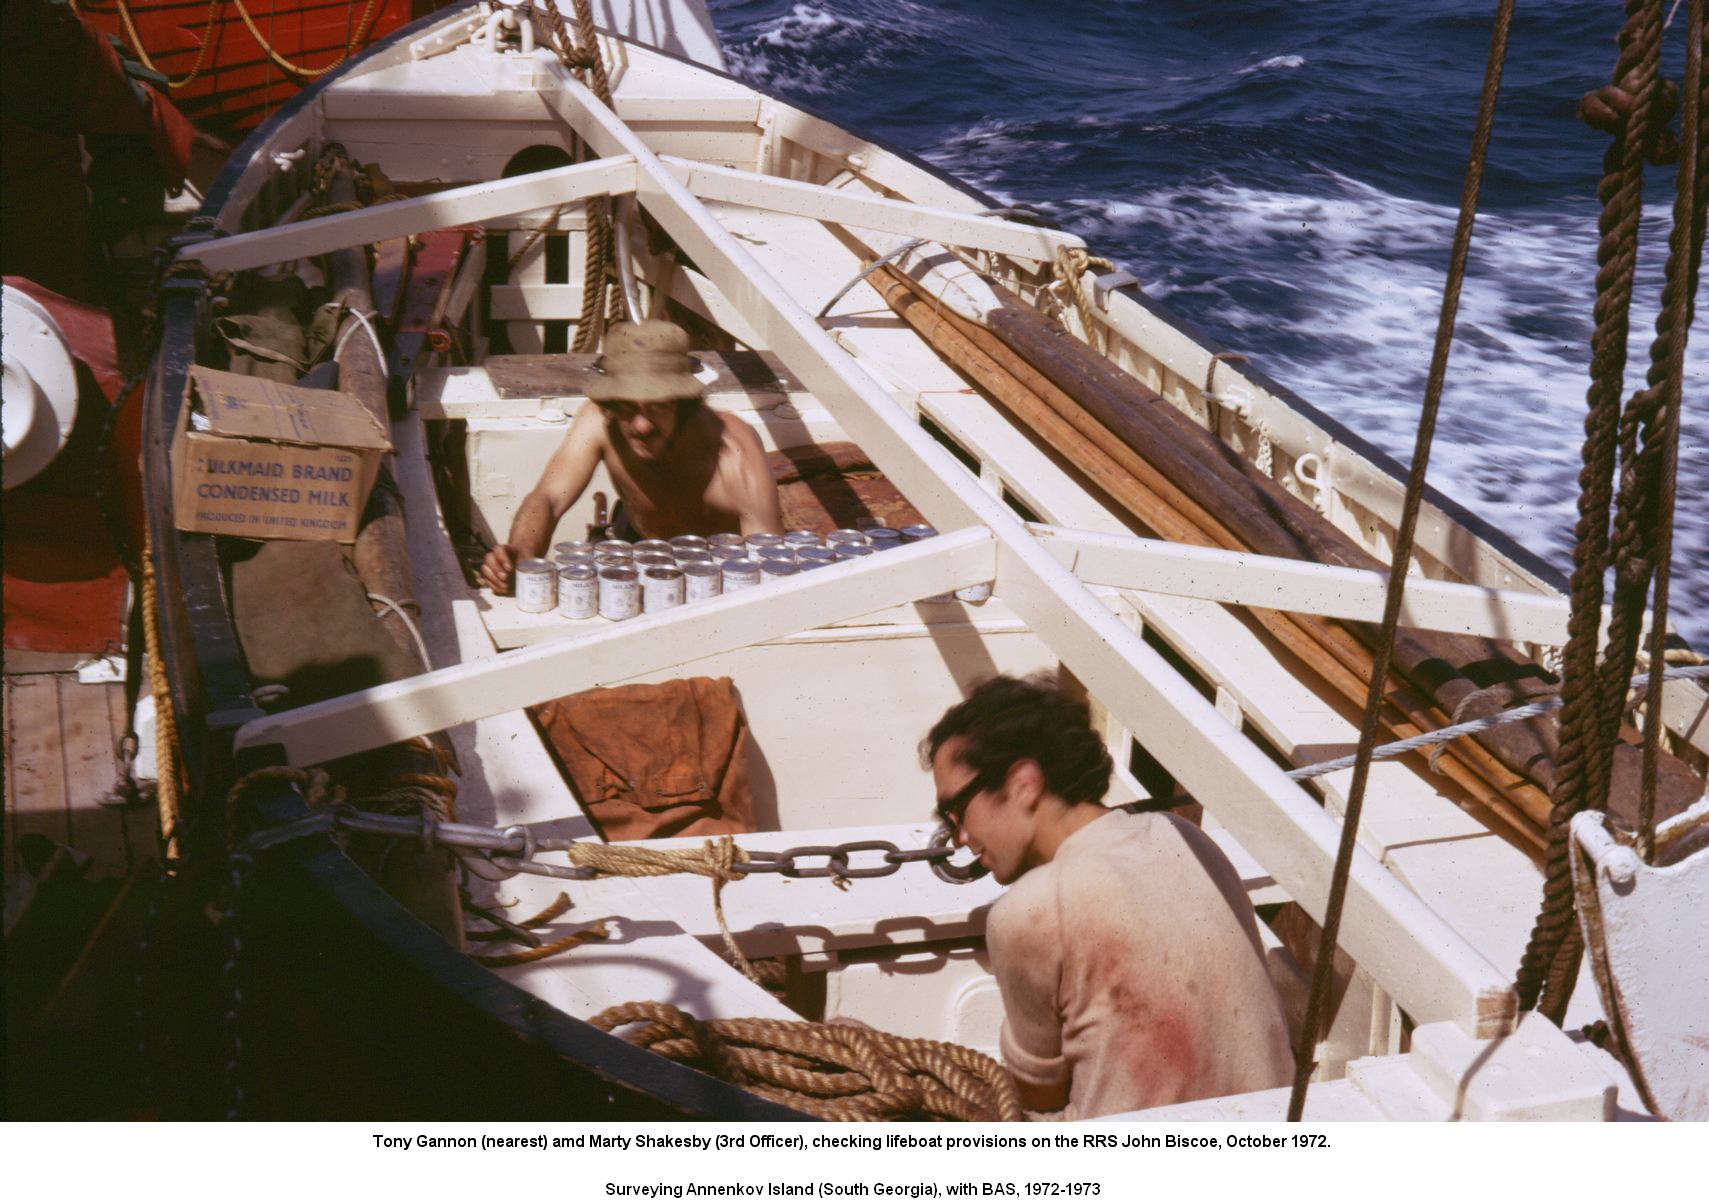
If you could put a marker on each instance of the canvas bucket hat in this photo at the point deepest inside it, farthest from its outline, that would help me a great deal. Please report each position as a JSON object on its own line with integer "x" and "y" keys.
{"x": 645, "y": 362}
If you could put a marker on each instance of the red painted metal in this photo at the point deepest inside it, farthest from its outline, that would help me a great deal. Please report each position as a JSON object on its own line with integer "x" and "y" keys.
{"x": 238, "y": 84}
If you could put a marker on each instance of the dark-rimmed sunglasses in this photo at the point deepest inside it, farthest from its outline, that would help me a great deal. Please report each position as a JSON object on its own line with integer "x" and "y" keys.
{"x": 950, "y": 808}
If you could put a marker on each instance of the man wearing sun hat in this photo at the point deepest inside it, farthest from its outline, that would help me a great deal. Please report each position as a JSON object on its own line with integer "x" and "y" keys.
{"x": 679, "y": 467}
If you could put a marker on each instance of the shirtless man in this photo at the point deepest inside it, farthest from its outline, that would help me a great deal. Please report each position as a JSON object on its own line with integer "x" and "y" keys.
{"x": 679, "y": 467}
{"x": 1126, "y": 951}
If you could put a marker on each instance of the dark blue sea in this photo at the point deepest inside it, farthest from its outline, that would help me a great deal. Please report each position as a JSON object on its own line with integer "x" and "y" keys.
{"x": 1285, "y": 174}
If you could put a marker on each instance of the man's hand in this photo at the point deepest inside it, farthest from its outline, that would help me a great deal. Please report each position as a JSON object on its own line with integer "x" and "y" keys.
{"x": 498, "y": 569}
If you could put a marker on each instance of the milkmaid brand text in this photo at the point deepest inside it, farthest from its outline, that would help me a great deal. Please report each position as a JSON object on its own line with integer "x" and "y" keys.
{"x": 269, "y": 460}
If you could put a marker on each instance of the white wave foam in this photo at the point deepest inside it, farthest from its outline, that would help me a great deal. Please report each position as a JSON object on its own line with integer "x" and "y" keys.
{"x": 816, "y": 49}
{"x": 1281, "y": 62}
{"x": 1337, "y": 294}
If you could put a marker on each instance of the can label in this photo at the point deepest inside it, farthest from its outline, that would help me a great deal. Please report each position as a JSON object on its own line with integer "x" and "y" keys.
{"x": 661, "y": 589}
{"x": 578, "y": 593}
{"x": 536, "y": 586}
{"x": 740, "y": 574}
{"x": 619, "y": 594}
{"x": 701, "y": 581}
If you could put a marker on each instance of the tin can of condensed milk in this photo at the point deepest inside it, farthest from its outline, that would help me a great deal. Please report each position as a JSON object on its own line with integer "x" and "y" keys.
{"x": 536, "y": 586}
{"x": 740, "y": 574}
{"x": 619, "y": 593}
{"x": 578, "y": 591}
{"x": 661, "y": 589}
{"x": 701, "y": 581}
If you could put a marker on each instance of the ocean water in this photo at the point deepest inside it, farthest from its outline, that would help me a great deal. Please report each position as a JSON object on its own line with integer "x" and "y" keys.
{"x": 1286, "y": 175}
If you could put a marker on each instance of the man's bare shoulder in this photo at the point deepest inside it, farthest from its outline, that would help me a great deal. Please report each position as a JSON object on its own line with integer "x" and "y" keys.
{"x": 740, "y": 437}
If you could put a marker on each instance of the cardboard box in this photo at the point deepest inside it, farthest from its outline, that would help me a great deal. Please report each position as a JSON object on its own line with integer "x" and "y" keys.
{"x": 272, "y": 460}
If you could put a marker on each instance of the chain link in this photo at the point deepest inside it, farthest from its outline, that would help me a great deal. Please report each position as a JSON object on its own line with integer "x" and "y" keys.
{"x": 513, "y": 849}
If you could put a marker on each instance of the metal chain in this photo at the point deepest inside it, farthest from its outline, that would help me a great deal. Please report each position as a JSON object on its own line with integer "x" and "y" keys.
{"x": 513, "y": 849}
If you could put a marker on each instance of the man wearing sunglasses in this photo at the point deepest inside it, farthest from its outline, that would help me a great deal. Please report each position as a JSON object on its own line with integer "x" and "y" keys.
{"x": 678, "y": 467}
{"x": 1126, "y": 952}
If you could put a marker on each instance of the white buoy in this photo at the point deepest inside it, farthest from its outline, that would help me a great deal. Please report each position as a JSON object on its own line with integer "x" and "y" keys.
{"x": 40, "y": 392}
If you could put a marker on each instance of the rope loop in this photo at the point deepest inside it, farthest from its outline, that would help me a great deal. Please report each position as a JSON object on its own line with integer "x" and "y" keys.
{"x": 838, "y": 1071}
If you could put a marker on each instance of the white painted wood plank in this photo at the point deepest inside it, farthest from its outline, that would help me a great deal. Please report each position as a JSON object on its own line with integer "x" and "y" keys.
{"x": 1295, "y": 586}
{"x": 392, "y": 712}
{"x": 457, "y": 206}
{"x": 800, "y": 199}
{"x": 536, "y": 302}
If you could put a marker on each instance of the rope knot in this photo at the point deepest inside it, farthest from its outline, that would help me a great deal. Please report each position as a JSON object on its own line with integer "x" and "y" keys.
{"x": 1609, "y": 108}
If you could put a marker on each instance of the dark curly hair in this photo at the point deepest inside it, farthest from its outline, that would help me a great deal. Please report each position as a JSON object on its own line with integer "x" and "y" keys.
{"x": 1005, "y": 720}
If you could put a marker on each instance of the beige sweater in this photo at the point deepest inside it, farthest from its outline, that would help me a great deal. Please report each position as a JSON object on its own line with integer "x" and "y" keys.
{"x": 1130, "y": 969}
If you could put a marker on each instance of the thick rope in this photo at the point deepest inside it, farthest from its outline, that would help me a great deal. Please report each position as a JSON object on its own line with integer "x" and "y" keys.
{"x": 1666, "y": 378}
{"x": 166, "y": 754}
{"x": 843, "y": 1073}
{"x": 581, "y": 54}
{"x": 594, "y": 933}
{"x": 716, "y": 860}
{"x": 1589, "y": 715}
{"x": 1072, "y": 262}
{"x": 560, "y": 906}
{"x": 1317, "y": 1007}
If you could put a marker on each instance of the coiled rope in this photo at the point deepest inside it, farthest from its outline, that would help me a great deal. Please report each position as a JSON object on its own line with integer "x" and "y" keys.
{"x": 842, "y": 1073}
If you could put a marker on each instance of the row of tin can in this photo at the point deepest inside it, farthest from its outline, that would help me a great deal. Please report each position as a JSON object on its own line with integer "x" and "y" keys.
{"x": 617, "y": 580}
